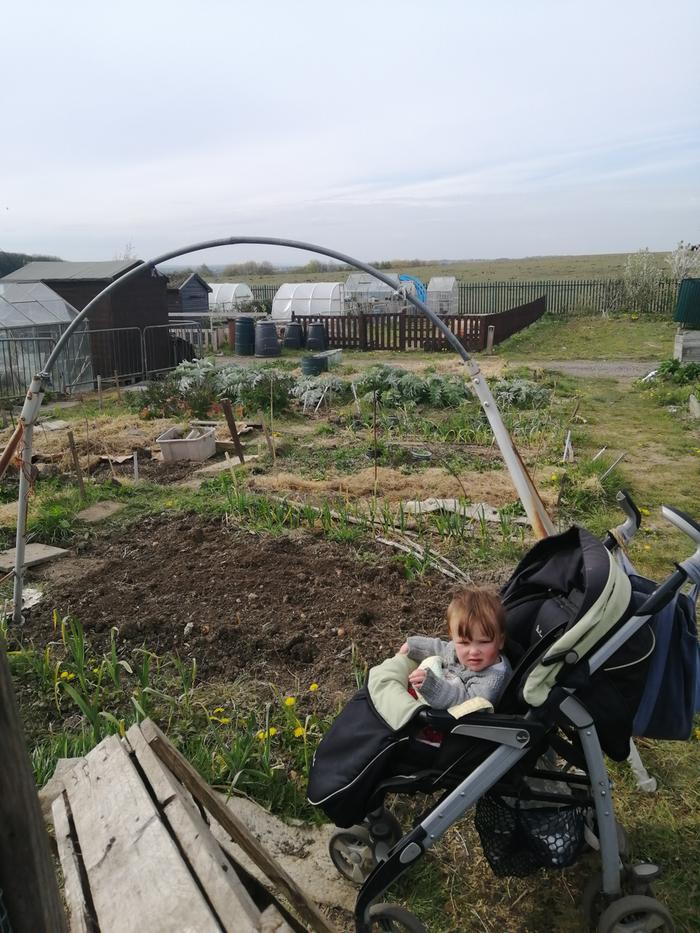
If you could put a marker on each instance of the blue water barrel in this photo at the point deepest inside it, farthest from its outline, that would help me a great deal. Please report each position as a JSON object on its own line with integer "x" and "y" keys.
{"x": 293, "y": 336}
{"x": 244, "y": 336}
{"x": 316, "y": 337}
{"x": 266, "y": 342}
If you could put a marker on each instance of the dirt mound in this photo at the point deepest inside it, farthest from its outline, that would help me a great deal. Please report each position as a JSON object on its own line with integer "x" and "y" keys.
{"x": 285, "y": 609}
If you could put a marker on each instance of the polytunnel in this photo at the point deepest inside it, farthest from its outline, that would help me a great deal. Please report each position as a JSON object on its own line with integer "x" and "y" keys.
{"x": 308, "y": 298}
{"x": 228, "y": 296}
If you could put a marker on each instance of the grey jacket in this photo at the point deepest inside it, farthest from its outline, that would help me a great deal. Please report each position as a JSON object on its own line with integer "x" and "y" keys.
{"x": 458, "y": 683}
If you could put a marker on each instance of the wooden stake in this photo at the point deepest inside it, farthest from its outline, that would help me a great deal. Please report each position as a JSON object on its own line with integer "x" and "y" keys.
{"x": 136, "y": 464}
{"x": 374, "y": 399}
{"x": 233, "y": 431}
{"x": 76, "y": 465}
{"x": 116, "y": 382}
{"x": 270, "y": 442}
{"x": 99, "y": 391}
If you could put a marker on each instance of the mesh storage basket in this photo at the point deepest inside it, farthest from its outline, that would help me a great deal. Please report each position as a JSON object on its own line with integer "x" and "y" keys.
{"x": 518, "y": 840}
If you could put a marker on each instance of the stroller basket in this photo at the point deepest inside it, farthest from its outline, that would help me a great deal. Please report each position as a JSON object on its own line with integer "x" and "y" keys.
{"x": 518, "y": 840}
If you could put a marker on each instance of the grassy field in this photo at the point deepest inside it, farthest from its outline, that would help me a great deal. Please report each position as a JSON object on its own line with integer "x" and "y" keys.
{"x": 529, "y": 268}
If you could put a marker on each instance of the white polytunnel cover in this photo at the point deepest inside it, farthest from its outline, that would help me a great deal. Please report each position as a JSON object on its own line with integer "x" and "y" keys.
{"x": 305, "y": 298}
{"x": 225, "y": 296}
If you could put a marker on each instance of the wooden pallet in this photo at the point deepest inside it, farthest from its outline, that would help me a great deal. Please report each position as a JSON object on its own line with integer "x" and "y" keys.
{"x": 137, "y": 852}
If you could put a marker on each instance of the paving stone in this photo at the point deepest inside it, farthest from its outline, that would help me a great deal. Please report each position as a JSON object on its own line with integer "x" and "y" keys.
{"x": 52, "y": 425}
{"x": 33, "y": 554}
{"x": 99, "y": 511}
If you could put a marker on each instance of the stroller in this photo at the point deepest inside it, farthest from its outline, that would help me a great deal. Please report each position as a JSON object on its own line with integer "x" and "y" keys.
{"x": 580, "y": 634}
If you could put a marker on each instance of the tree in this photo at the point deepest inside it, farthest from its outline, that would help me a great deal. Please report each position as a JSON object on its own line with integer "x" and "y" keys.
{"x": 684, "y": 261}
{"x": 641, "y": 279}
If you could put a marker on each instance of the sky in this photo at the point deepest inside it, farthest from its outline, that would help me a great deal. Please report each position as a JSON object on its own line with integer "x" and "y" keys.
{"x": 384, "y": 129}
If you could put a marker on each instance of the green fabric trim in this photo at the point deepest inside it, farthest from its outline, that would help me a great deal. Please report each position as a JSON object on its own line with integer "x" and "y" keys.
{"x": 585, "y": 635}
{"x": 387, "y": 684}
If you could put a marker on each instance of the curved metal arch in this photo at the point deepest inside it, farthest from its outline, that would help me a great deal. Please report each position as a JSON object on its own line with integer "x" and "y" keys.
{"x": 542, "y": 524}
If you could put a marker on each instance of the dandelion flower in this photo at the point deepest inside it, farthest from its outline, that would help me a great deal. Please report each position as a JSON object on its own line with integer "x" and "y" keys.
{"x": 225, "y": 720}
{"x": 261, "y": 736}
{"x": 289, "y": 701}
{"x": 218, "y": 710}
{"x": 272, "y": 731}
{"x": 644, "y": 511}
{"x": 313, "y": 688}
{"x": 95, "y": 670}
{"x": 299, "y": 731}
{"x": 647, "y": 547}
{"x": 553, "y": 477}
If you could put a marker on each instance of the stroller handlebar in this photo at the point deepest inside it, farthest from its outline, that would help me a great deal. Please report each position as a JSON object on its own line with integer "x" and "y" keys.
{"x": 628, "y": 529}
{"x": 683, "y": 522}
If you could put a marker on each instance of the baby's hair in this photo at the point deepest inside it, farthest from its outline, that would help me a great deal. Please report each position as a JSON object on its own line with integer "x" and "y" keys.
{"x": 473, "y": 609}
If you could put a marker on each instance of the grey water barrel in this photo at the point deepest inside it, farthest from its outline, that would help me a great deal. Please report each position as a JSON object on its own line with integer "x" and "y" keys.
{"x": 266, "y": 342}
{"x": 314, "y": 365}
{"x": 244, "y": 336}
{"x": 293, "y": 336}
{"x": 316, "y": 337}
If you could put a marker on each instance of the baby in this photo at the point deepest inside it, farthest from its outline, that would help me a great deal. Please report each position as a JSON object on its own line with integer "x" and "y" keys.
{"x": 472, "y": 663}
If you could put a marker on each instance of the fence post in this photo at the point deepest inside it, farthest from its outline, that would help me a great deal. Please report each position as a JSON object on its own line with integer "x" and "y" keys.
{"x": 490, "y": 332}
{"x": 402, "y": 331}
{"x": 362, "y": 330}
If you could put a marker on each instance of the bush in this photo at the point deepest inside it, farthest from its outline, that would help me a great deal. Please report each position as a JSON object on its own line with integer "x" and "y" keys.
{"x": 521, "y": 393}
{"x": 396, "y": 386}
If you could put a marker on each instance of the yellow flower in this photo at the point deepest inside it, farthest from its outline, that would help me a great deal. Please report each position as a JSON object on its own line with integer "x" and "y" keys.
{"x": 647, "y": 547}
{"x": 225, "y": 720}
{"x": 289, "y": 701}
{"x": 263, "y": 734}
{"x": 272, "y": 731}
{"x": 554, "y": 477}
{"x": 313, "y": 688}
{"x": 66, "y": 676}
{"x": 299, "y": 731}
{"x": 218, "y": 710}
{"x": 697, "y": 734}
{"x": 95, "y": 670}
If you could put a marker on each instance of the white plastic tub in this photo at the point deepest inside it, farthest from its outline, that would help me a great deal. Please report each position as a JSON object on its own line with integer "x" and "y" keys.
{"x": 199, "y": 444}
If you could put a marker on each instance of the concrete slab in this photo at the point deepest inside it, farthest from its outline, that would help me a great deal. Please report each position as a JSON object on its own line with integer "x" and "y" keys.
{"x": 222, "y": 465}
{"x": 99, "y": 511}
{"x": 33, "y": 554}
{"x": 53, "y": 425}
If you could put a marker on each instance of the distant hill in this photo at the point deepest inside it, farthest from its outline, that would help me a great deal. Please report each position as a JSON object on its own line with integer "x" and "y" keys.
{"x": 9, "y": 262}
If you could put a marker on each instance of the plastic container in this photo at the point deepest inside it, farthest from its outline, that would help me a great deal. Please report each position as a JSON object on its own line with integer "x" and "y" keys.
{"x": 294, "y": 336}
{"x": 314, "y": 365}
{"x": 316, "y": 337}
{"x": 245, "y": 336}
{"x": 266, "y": 342}
{"x": 199, "y": 444}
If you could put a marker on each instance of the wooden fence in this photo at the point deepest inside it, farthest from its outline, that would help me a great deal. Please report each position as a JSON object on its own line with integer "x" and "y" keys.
{"x": 595, "y": 295}
{"x": 398, "y": 331}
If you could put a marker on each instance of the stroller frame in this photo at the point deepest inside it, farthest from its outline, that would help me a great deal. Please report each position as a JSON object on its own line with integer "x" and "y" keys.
{"x": 518, "y": 736}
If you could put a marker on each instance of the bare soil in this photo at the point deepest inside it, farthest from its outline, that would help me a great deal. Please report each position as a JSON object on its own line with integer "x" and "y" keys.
{"x": 285, "y": 610}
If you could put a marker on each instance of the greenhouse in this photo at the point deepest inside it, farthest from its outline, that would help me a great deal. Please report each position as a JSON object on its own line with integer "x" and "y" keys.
{"x": 32, "y": 318}
{"x": 308, "y": 298}
{"x": 443, "y": 295}
{"x": 228, "y": 296}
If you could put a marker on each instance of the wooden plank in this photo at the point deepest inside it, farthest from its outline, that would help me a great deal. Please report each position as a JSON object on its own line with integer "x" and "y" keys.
{"x": 138, "y": 880}
{"x": 80, "y": 919}
{"x": 271, "y": 921}
{"x": 233, "y": 905}
{"x": 237, "y": 830}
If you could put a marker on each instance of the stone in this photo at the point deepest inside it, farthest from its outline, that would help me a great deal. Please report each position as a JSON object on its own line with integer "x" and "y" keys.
{"x": 33, "y": 554}
{"x": 99, "y": 511}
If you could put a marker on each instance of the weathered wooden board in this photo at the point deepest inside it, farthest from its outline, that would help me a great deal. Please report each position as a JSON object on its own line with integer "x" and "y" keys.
{"x": 138, "y": 880}
{"x": 79, "y": 917}
{"x": 229, "y": 899}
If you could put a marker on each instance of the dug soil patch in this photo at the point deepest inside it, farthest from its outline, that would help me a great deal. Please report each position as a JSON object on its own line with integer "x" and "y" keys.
{"x": 286, "y": 610}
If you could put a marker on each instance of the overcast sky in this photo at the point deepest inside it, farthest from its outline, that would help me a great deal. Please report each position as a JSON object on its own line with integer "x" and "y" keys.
{"x": 381, "y": 129}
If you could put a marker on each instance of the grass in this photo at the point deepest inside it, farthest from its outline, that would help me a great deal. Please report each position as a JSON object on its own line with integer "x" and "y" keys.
{"x": 528, "y": 268}
{"x": 592, "y": 338}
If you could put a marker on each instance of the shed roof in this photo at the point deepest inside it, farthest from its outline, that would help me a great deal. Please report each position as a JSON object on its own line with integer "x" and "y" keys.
{"x": 32, "y": 304}
{"x": 195, "y": 277}
{"x": 53, "y": 271}
{"x": 688, "y": 304}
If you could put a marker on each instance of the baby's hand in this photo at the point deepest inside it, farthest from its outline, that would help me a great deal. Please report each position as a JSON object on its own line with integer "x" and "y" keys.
{"x": 404, "y": 648}
{"x": 417, "y": 677}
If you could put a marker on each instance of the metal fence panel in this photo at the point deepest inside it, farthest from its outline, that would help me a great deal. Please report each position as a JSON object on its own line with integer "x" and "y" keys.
{"x": 167, "y": 345}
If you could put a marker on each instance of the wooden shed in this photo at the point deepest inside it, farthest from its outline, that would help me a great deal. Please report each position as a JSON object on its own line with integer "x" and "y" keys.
{"x": 190, "y": 298}
{"x": 118, "y": 323}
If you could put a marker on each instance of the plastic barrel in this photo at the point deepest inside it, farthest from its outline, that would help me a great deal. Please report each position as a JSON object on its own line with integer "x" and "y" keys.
{"x": 293, "y": 336}
{"x": 245, "y": 336}
{"x": 314, "y": 365}
{"x": 316, "y": 337}
{"x": 266, "y": 342}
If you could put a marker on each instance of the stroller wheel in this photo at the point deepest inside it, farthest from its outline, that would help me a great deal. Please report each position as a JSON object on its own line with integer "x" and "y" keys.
{"x": 636, "y": 914}
{"x": 395, "y": 919}
{"x": 352, "y": 853}
{"x": 385, "y": 829}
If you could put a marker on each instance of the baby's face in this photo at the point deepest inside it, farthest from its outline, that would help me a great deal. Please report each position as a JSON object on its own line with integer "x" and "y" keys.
{"x": 479, "y": 651}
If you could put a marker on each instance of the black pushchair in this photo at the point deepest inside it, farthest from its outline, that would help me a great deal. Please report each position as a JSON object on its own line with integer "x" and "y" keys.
{"x": 581, "y": 640}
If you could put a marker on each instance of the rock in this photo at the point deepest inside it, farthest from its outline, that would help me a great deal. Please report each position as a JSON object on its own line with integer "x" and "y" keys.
{"x": 694, "y": 406}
